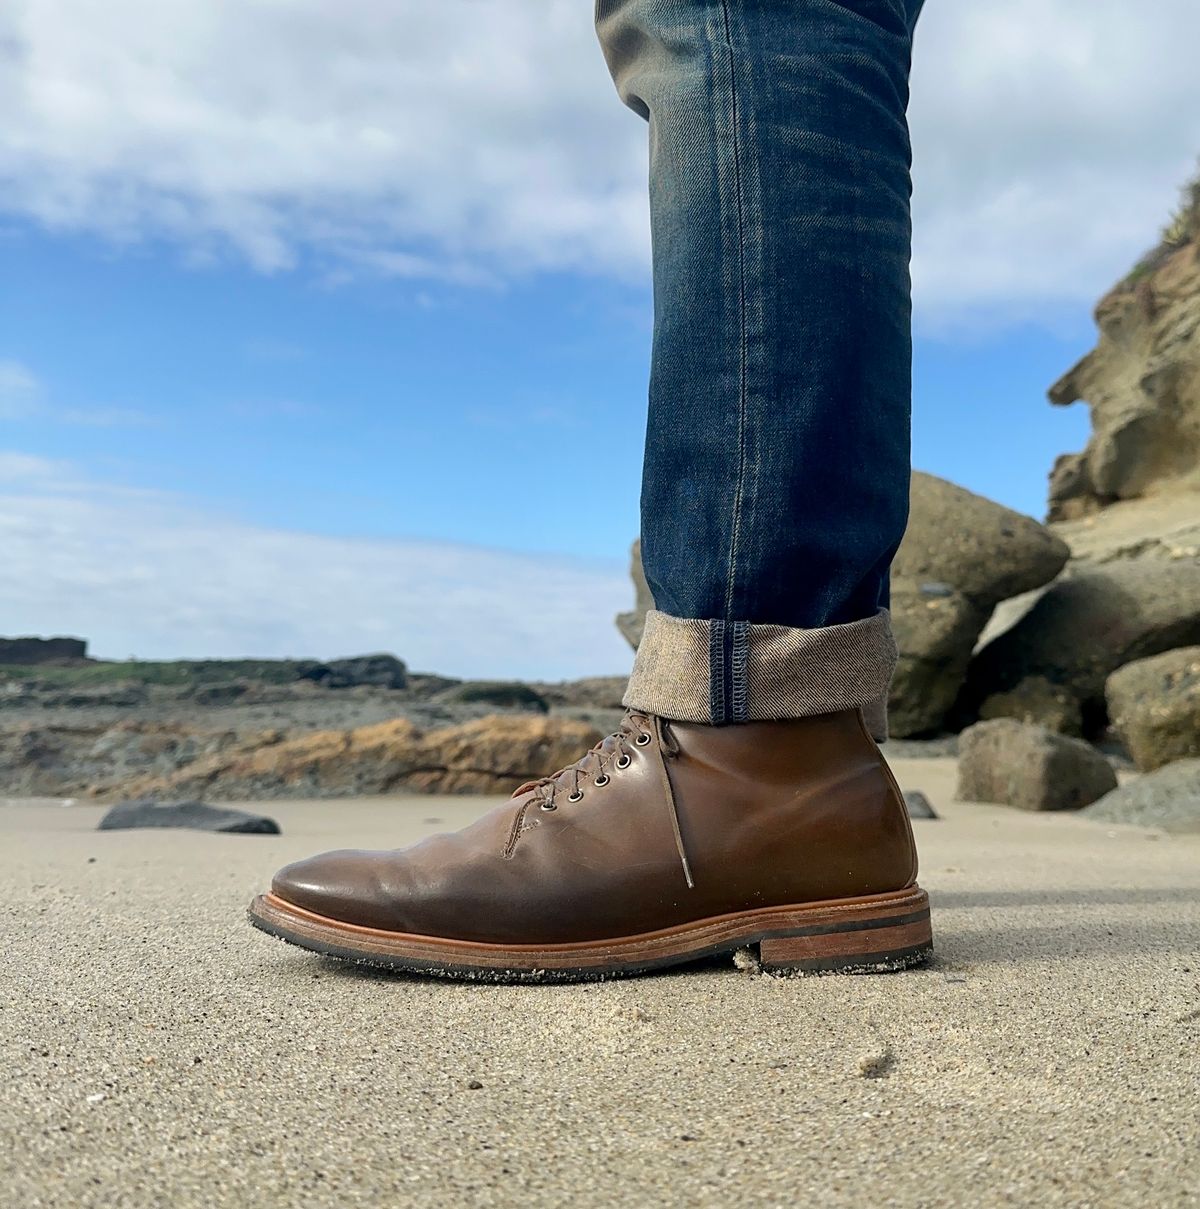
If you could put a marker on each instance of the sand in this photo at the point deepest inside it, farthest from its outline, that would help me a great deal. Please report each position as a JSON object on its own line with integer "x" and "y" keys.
{"x": 155, "y": 1051}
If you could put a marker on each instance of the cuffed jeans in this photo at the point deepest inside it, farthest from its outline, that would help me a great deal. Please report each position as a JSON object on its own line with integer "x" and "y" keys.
{"x": 775, "y": 483}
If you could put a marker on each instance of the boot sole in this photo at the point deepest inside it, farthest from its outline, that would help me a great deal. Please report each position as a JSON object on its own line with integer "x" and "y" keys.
{"x": 873, "y": 934}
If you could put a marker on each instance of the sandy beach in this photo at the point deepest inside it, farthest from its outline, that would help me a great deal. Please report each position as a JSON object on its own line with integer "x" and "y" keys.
{"x": 154, "y": 1050}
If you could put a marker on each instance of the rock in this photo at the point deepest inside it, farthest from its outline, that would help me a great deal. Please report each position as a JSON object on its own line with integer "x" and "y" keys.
{"x": 1155, "y": 706}
{"x": 489, "y": 755}
{"x": 632, "y": 624}
{"x": 378, "y": 671}
{"x": 592, "y": 692}
{"x": 1141, "y": 382}
{"x": 961, "y": 555}
{"x": 1035, "y": 699}
{"x": 26, "y": 652}
{"x": 935, "y": 636}
{"x": 513, "y": 694}
{"x": 957, "y": 541}
{"x": 195, "y": 815}
{"x": 1091, "y": 621}
{"x": 919, "y": 806}
{"x": 1168, "y": 798}
{"x": 1030, "y": 767}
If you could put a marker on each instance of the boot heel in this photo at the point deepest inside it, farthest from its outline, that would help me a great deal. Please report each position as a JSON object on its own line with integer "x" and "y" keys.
{"x": 872, "y": 940}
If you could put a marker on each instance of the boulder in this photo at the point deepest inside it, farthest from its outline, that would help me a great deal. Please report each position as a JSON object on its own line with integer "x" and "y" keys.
{"x": 961, "y": 555}
{"x": 509, "y": 694}
{"x": 377, "y": 671}
{"x": 1155, "y": 706}
{"x": 1168, "y": 798}
{"x": 1031, "y": 767}
{"x": 1091, "y": 621}
{"x": 489, "y": 755}
{"x": 197, "y": 816}
{"x": 1035, "y": 699}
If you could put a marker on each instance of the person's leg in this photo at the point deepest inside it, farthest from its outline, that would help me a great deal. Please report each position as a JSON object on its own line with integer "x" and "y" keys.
{"x": 775, "y": 489}
{"x": 776, "y": 483}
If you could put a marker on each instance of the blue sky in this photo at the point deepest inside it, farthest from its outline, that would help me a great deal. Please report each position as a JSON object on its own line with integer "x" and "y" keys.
{"x": 291, "y": 368}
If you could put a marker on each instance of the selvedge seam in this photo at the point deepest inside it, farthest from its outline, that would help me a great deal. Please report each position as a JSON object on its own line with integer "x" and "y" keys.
{"x": 742, "y": 349}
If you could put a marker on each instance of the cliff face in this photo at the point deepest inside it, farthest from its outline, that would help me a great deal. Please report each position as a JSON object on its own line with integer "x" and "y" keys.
{"x": 1142, "y": 382}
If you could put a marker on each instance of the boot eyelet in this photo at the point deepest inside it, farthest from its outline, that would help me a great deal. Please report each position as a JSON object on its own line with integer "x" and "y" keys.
{"x": 548, "y": 805}
{"x": 574, "y": 797}
{"x": 603, "y": 779}
{"x": 642, "y": 739}
{"x": 624, "y": 761}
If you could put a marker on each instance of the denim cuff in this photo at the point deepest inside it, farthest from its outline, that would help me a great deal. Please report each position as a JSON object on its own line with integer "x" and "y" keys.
{"x": 720, "y": 672}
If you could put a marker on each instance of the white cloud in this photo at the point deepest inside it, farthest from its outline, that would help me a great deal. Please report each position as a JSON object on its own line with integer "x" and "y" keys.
{"x": 469, "y": 140}
{"x": 20, "y": 390}
{"x": 23, "y": 396}
{"x": 145, "y": 573}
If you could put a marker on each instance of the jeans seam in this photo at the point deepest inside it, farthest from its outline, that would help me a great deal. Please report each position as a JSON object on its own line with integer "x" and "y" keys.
{"x": 716, "y": 672}
{"x": 739, "y": 658}
{"x": 735, "y": 534}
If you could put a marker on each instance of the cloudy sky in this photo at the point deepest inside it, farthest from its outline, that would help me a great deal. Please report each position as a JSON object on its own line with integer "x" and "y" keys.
{"x": 324, "y": 327}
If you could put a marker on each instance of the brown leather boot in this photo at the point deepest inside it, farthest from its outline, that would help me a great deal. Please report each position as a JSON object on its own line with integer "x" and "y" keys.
{"x": 666, "y": 842}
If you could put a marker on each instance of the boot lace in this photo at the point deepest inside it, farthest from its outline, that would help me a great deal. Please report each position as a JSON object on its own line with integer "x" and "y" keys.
{"x": 614, "y": 753}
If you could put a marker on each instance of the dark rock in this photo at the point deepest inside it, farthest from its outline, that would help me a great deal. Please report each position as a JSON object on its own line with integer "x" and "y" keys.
{"x": 198, "y": 816}
{"x": 26, "y": 652}
{"x": 919, "y": 806}
{"x": 1154, "y": 704}
{"x": 513, "y": 694}
{"x": 377, "y": 671}
{"x": 1168, "y": 798}
{"x": 1030, "y": 767}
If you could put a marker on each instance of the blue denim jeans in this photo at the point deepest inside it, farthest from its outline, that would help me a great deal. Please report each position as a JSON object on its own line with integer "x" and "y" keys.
{"x": 775, "y": 484}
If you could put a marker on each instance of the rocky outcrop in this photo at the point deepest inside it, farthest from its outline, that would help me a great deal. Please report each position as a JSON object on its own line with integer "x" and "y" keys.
{"x": 69, "y": 761}
{"x": 27, "y": 652}
{"x": 1030, "y": 767}
{"x": 490, "y": 755}
{"x": 1155, "y": 706}
{"x": 1141, "y": 381}
{"x": 1168, "y": 798}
